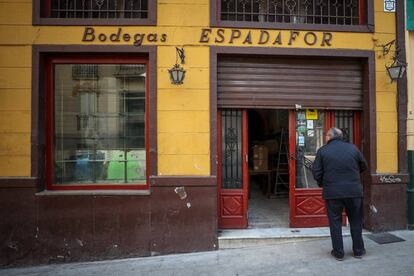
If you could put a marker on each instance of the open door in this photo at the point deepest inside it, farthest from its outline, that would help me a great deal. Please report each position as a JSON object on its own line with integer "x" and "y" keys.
{"x": 307, "y": 130}
{"x": 232, "y": 171}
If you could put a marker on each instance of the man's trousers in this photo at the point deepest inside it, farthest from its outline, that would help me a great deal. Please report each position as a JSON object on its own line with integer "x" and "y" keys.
{"x": 354, "y": 212}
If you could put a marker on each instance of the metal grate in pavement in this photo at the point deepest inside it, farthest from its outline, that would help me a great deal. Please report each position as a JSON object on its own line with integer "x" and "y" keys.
{"x": 384, "y": 238}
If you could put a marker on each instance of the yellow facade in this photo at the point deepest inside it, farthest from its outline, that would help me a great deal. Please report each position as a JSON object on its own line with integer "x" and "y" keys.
{"x": 183, "y": 111}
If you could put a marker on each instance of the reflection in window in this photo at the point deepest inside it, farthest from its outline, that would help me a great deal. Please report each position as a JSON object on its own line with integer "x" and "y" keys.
{"x": 99, "y": 130}
{"x": 309, "y": 138}
{"x": 344, "y": 120}
{"x": 338, "y": 12}
{"x": 231, "y": 149}
{"x": 98, "y": 8}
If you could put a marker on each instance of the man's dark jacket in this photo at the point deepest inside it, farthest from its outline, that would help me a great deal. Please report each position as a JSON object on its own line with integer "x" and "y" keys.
{"x": 337, "y": 169}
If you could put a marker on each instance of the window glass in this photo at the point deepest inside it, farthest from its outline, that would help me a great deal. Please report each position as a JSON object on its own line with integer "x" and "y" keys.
{"x": 232, "y": 161}
{"x": 344, "y": 120}
{"x": 339, "y": 12}
{"x": 99, "y": 9}
{"x": 309, "y": 138}
{"x": 99, "y": 124}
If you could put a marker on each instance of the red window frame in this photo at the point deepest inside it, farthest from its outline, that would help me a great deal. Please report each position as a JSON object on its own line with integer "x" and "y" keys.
{"x": 50, "y": 120}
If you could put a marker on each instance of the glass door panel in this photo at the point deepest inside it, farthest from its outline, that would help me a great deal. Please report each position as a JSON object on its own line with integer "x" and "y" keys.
{"x": 310, "y": 134}
{"x": 231, "y": 170}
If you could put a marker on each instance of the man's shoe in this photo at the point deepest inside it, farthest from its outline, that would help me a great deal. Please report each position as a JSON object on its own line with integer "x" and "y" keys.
{"x": 338, "y": 258}
{"x": 359, "y": 256}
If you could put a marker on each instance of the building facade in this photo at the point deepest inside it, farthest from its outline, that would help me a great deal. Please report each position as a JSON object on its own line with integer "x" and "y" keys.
{"x": 409, "y": 38}
{"x": 103, "y": 156}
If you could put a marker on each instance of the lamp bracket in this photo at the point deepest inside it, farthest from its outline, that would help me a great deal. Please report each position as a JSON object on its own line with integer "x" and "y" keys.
{"x": 387, "y": 47}
{"x": 180, "y": 53}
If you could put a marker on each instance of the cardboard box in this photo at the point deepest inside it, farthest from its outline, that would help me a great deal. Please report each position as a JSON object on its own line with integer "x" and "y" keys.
{"x": 260, "y": 152}
{"x": 260, "y": 158}
{"x": 260, "y": 165}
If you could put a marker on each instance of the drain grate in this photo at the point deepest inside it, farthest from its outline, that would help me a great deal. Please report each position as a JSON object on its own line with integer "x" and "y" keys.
{"x": 384, "y": 238}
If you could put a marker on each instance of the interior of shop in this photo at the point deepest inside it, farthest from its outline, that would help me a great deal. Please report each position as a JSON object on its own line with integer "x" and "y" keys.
{"x": 268, "y": 138}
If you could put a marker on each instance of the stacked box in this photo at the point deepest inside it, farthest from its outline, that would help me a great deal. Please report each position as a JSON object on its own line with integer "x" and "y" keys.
{"x": 260, "y": 158}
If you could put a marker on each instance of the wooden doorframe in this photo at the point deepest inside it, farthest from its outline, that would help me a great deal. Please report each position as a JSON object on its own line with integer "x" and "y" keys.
{"x": 235, "y": 221}
{"x": 292, "y": 167}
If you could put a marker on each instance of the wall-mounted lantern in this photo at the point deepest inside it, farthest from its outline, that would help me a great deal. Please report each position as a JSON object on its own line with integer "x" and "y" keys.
{"x": 398, "y": 68}
{"x": 177, "y": 72}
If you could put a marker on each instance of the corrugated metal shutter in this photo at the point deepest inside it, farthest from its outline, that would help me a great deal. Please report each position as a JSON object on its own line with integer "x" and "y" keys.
{"x": 283, "y": 82}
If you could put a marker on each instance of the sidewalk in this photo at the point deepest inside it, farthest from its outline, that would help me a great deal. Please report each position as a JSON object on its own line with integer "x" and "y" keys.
{"x": 293, "y": 258}
{"x": 241, "y": 238}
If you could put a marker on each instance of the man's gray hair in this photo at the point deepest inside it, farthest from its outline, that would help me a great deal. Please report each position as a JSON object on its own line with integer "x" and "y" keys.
{"x": 334, "y": 132}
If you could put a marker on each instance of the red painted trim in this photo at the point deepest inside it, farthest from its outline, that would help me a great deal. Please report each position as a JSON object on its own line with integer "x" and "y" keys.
{"x": 308, "y": 221}
{"x": 219, "y": 164}
{"x": 47, "y": 7}
{"x": 308, "y": 191}
{"x": 245, "y": 166}
{"x": 329, "y": 122}
{"x": 147, "y": 123}
{"x": 362, "y": 12}
{"x": 71, "y": 59}
{"x": 79, "y": 59}
{"x": 292, "y": 168}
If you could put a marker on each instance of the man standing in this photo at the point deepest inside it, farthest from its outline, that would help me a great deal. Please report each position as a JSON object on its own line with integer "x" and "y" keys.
{"x": 337, "y": 169}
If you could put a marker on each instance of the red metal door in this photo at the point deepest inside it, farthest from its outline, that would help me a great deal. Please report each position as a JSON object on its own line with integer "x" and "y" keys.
{"x": 232, "y": 171}
{"x": 306, "y": 135}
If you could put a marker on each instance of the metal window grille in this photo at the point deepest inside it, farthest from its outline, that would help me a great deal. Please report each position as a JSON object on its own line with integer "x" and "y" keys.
{"x": 334, "y": 12}
{"x": 344, "y": 120}
{"x": 131, "y": 70}
{"x": 99, "y": 9}
{"x": 231, "y": 149}
{"x": 85, "y": 72}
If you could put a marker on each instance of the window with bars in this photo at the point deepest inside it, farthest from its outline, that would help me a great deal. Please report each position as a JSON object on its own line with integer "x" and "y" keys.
{"x": 97, "y": 12}
{"x": 97, "y": 9}
{"x": 331, "y": 12}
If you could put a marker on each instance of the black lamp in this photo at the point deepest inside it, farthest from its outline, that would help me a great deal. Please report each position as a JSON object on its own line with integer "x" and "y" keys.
{"x": 177, "y": 72}
{"x": 396, "y": 70}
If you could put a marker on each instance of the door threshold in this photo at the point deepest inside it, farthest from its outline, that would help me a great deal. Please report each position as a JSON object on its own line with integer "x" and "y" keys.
{"x": 240, "y": 238}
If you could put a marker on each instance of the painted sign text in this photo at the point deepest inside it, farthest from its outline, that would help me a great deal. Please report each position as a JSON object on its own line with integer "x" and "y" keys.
{"x": 265, "y": 37}
{"x": 90, "y": 35}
